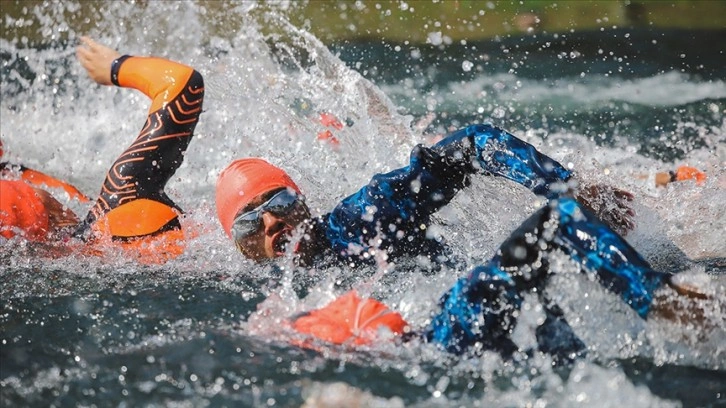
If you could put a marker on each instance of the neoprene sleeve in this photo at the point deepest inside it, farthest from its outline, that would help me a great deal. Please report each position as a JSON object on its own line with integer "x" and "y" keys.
{"x": 480, "y": 308}
{"x": 394, "y": 209}
{"x": 144, "y": 168}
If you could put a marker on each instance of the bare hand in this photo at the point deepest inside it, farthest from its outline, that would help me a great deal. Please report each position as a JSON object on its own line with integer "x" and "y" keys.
{"x": 97, "y": 60}
{"x": 611, "y": 205}
{"x": 687, "y": 302}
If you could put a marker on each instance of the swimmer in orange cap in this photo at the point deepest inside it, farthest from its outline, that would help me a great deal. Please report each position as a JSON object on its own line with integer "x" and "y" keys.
{"x": 682, "y": 173}
{"x": 270, "y": 199}
{"x": 261, "y": 208}
{"x": 132, "y": 204}
{"x": 392, "y": 212}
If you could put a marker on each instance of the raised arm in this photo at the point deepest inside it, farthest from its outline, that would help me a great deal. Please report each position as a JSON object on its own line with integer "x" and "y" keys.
{"x": 393, "y": 210}
{"x": 142, "y": 171}
{"x": 497, "y": 152}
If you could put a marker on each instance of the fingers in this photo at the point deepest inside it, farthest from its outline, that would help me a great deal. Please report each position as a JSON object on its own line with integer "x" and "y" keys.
{"x": 623, "y": 194}
{"x": 619, "y": 224}
{"x": 611, "y": 205}
{"x": 58, "y": 215}
{"x": 83, "y": 51}
{"x": 624, "y": 214}
{"x": 86, "y": 41}
{"x": 621, "y": 219}
{"x": 96, "y": 59}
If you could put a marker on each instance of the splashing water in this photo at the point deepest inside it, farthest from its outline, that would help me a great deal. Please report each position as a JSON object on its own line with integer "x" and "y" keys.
{"x": 206, "y": 328}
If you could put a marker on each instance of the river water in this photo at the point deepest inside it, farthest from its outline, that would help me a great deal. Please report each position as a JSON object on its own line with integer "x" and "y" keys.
{"x": 205, "y": 329}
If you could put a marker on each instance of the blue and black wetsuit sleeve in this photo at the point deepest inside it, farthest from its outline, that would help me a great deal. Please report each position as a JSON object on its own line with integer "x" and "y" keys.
{"x": 394, "y": 209}
{"x": 479, "y": 310}
{"x": 496, "y": 152}
{"x": 567, "y": 226}
{"x": 600, "y": 250}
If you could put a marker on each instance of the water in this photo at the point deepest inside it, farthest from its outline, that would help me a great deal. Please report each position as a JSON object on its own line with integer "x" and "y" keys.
{"x": 205, "y": 329}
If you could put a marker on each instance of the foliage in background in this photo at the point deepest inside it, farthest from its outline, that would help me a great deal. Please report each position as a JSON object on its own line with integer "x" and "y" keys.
{"x": 416, "y": 21}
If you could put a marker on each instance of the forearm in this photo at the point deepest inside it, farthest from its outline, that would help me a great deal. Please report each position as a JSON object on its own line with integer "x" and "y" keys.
{"x": 480, "y": 309}
{"x": 500, "y": 153}
{"x": 618, "y": 266}
{"x": 159, "y": 79}
{"x": 565, "y": 225}
{"x": 37, "y": 178}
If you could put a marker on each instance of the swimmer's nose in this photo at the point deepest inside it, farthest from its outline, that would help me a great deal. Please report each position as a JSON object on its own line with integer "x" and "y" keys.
{"x": 272, "y": 223}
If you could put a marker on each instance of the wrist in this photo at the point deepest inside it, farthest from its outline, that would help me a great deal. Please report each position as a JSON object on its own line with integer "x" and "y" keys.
{"x": 116, "y": 67}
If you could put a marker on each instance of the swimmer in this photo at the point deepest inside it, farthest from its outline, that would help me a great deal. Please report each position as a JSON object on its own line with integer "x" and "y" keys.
{"x": 260, "y": 207}
{"x": 479, "y": 312}
{"x": 681, "y": 173}
{"x": 132, "y": 204}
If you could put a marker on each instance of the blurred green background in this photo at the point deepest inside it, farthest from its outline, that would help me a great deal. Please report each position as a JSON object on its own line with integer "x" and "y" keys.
{"x": 477, "y": 19}
{"x": 416, "y": 20}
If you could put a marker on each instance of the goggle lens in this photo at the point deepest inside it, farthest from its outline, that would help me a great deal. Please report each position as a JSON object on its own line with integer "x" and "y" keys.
{"x": 281, "y": 204}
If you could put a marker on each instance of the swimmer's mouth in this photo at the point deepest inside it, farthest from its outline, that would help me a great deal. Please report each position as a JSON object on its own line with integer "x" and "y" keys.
{"x": 279, "y": 244}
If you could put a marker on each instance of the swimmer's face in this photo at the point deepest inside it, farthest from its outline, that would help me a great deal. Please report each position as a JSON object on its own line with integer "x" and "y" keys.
{"x": 263, "y": 228}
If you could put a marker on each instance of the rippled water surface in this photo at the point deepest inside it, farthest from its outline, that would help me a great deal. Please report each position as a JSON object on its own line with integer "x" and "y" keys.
{"x": 205, "y": 329}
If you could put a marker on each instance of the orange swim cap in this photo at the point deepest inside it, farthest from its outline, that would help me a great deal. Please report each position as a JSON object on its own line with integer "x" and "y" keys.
{"x": 244, "y": 180}
{"x": 690, "y": 173}
{"x": 22, "y": 208}
{"x": 350, "y": 319}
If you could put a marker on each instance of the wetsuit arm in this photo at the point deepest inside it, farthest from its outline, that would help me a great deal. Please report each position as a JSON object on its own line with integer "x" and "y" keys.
{"x": 38, "y": 179}
{"x": 394, "y": 208}
{"x": 480, "y": 308}
{"x": 566, "y": 225}
{"x": 618, "y": 266}
{"x": 497, "y": 152}
{"x": 144, "y": 168}
{"x": 478, "y": 311}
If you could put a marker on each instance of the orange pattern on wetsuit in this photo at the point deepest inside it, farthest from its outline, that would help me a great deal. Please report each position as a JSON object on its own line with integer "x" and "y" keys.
{"x": 132, "y": 201}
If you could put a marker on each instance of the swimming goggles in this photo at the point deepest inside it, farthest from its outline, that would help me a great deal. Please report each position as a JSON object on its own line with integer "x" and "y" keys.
{"x": 284, "y": 203}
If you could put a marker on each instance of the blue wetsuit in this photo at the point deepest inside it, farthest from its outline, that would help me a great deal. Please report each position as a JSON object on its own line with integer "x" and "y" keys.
{"x": 388, "y": 215}
{"x": 389, "y": 212}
